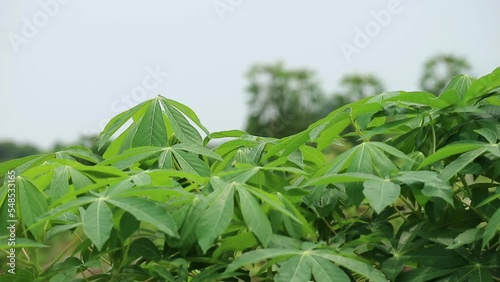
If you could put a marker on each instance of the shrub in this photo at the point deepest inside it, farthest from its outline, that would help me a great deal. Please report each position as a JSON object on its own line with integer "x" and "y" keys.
{"x": 162, "y": 204}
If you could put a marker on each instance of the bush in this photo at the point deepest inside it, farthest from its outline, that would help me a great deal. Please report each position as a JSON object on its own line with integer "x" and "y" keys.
{"x": 162, "y": 205}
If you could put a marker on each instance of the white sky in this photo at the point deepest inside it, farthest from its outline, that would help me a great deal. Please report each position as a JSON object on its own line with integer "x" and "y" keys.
{"x": 74, "y": 69}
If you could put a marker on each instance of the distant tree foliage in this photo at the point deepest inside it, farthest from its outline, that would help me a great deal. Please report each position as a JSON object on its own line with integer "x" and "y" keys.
{"x": 285, "y": 101}
{"x": 440, "y": 69}
{"x": 11, "y": 150}
{"x": 282, "y": 101}
{"x": 353, "y": 87}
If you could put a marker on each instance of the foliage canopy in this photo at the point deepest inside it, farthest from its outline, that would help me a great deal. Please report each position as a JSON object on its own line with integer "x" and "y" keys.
{"x": 162, "y": 205}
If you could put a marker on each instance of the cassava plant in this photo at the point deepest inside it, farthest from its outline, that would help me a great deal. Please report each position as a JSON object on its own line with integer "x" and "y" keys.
{"x": 168, "y": 203}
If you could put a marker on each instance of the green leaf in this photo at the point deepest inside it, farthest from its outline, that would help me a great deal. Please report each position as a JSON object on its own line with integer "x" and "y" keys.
{"x": 98, "y": 222}
{"x": 254, "y": 217}
{"x": 115, "y": 123}
{"x": 348, "y": 177}
{"x": 459, "y": 163}
{"x": 436, "y": 256}
{"x": 450, "y": 150}
{"x": 419, "y": 98}
{"x": 467, "y": 237}
{"x": 183, "y": 130}
{"x": 272, "y": 200}
{"x": 313, "y": 155}
{"x": 326, "y": 271}
{"x": 60, "y": 209}
{"x": 238, "y": 242}
{"x": 391, "y": 150}
{"x": 461, "y": 84}
{"x": 143, "y": 247}
{"x": 196, "y": 149}
{"x": 438, "y": 189}
{"x": 296, "y": 269}
{"x": 21, "y": 243}
{"x": 217, "y": 217}
{"x": 227, "y": 133}
{"x": 191, "y": 163}
{"x": 151, "y": 130}
{"x": 492, "y": 228}
{"x": 147, "y": 211}
{"x": 59, "y": 185}
{"x": 32, "y": 203}
{"x": 380, "y": 193}
{"x": 424, "y": 274}
{"x": 364, "y": 269}
{"x": 490, "y": 135}
{"x": 188, "y": 112}
{"x": 128, "y": 225}
{"x": 392, "y": 267}
{"x": 260, "y": 255}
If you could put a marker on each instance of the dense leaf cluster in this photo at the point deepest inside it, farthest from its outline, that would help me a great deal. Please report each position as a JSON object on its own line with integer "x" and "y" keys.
{"x": 164, "y": 203}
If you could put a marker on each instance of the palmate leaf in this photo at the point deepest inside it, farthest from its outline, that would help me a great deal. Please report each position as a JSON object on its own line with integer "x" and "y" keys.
{"x": 326, "y": 271}
{"x": 98, "y": 222}
{"x": 299, "y": 265}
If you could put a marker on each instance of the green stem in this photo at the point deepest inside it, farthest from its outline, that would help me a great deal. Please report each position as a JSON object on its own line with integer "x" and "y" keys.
{"x": 466, "y": 186}
{"x": 409, "y": 205}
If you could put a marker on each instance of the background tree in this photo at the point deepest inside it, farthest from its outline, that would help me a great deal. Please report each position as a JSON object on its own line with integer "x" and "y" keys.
{"x": 11, "y": 150}
{"x": 440, "y": 69}
{"x": 282, "y": 101}
{"x": 353, "y": 87}
{"x": 88, "y": 141}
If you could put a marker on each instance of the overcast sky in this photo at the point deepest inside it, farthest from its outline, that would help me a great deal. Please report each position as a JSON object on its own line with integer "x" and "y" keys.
{"x": 67, "y": 66}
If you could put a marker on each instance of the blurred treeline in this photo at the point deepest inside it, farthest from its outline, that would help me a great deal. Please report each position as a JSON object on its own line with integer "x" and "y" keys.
{"x": 284, "y": 101}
